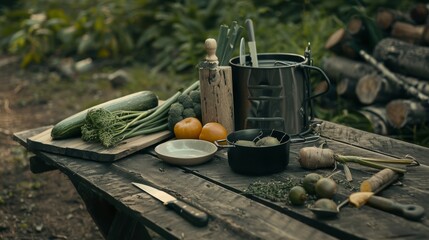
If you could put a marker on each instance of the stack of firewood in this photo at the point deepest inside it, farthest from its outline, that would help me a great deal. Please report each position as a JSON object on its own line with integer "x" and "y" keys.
{"x": 382, "y": 63}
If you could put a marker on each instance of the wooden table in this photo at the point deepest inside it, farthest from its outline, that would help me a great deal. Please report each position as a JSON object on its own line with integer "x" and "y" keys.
{"x": 122, "y": 211}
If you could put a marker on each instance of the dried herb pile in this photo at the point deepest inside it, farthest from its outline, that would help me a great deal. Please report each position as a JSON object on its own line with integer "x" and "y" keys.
{"x": 276, "y": 190}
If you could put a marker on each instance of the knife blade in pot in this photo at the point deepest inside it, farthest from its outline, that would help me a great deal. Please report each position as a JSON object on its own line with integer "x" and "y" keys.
{"x": 242, "y": 52}
{"x": 252, "y": 42}
{"x": 190, "y": 213}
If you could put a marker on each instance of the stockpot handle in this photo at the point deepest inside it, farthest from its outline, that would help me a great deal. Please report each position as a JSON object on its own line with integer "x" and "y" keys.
{"x": 325, "y": 78}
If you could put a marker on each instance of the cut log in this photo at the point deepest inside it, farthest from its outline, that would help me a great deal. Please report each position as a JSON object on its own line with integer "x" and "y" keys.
{"x": 374, "y": 88}
{"x": 419, "y": 13}
{"x": 329, "y": 99}
{"x": 406, "y": 112}
{"x": 339, "y": 68}
{"x": 420, "y": 85}
{"x": 410, "y": 33}
{"x": 364, "y": 31}
{"x": 405, "y": 58}
{"x": 346, "y": 87}
{"x": 358, "y": 30}
{"x": 409, "y": 89}
{"x": 342, "y": 43}
{"x": 334, "y": 41}
{"x": 376, "y": 115}
{"x": 386, "y": 17}
{"x": 356, "y": 26}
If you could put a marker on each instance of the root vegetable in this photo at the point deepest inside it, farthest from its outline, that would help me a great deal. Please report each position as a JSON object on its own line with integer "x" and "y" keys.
{"x": 267, "y": 141}
{"x": 310, "y": 181}
{"x": 245, "y": 143}
{"x": 313, "y": 158}
{"x": 326, "y": 204}
{"x": 378, "y": 180}
{"x": 326, "y": 188}
{"x": 297, "y": 195}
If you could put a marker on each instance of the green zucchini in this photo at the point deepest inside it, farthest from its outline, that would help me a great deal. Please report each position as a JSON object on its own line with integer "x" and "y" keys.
{"x": 139, "y": 101}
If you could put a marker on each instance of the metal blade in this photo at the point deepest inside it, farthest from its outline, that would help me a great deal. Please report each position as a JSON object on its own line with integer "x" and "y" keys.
{"x": 158, "y": 194}
{"x": 252, "y": 42}
{"x": 242, "y": 52}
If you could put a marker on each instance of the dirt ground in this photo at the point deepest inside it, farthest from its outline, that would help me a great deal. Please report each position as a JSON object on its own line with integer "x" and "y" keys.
{"x": 46, "y": 205}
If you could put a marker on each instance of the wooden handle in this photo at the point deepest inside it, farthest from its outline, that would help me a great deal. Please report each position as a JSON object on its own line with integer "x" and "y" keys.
{"x": 211, "y": 45}
{"x": 408, "y": 211}
{"x": 192, "y": 214}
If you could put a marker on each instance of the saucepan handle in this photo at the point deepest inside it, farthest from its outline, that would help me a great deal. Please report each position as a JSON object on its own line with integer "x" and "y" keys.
{"x": 219, "y": 144}
{"x": 328, "y": 82}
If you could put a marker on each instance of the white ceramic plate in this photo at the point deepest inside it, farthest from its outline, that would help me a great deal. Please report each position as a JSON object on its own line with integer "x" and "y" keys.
{"x": 186, "y": 152}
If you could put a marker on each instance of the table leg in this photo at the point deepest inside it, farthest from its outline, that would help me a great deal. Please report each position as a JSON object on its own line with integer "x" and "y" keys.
{"x": 113, "y": 224}
{"x": 39, "y": 166}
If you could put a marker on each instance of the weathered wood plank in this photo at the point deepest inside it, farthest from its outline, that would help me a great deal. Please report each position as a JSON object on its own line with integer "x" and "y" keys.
{"x": 381, "y": 144}
{"x": 231, "y": 213}
{"x": 359, "y": 219}
{"x": 217, "y": 190}
{"x": 21, "y": 137}
{"x": 75, "y": 147}
{"x": 108, "y": 184}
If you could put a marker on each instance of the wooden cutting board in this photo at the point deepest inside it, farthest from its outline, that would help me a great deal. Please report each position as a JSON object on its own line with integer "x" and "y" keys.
{"x": 75, "y": 147}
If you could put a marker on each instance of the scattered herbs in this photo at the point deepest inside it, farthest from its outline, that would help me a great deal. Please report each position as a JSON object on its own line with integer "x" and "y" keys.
{"x": 276, "y": 190}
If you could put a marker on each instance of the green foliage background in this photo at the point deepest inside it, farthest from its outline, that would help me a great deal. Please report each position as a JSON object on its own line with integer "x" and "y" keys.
{"x": 168, "y": 36}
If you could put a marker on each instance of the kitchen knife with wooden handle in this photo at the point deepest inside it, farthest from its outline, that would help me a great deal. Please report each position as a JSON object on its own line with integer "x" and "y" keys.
{"x": 188, "y": 212}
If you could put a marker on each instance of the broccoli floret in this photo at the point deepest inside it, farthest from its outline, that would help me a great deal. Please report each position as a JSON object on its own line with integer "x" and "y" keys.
{"x": 185, "y": 100}
{"x": 176, "y": 109}
{"x": 197, "y": 110}
{"x": 189, "y": 112}
{"x": 172, "y": 120}
{"x": 184, "y": 108}
{"x": 195, "y": 96}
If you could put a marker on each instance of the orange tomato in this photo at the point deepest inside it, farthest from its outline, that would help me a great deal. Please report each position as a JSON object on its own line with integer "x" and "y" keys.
{"x": 188, "y": 128}
{"x": 213, "y": 131}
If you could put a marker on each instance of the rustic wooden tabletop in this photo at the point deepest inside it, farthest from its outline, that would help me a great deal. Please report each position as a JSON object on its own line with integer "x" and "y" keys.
{"x": 123, "y": 211}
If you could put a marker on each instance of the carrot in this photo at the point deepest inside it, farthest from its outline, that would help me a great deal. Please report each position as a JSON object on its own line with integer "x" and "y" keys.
{"x": 377, "y": 180}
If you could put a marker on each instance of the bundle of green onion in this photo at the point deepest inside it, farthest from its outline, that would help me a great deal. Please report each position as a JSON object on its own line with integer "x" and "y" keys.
{"x": 111, "y": 127}
{"x": 227, "y": 42}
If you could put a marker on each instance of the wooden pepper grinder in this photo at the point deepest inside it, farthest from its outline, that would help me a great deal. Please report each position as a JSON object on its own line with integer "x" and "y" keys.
{"x": 217, "y": 103}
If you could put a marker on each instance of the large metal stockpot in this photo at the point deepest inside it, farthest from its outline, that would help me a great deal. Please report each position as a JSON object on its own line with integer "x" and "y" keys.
{"x": 257, "y": 160}
{"x": 275, "y": 95}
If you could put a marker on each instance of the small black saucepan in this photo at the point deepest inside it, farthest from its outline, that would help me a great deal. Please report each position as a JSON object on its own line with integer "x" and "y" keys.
{"x": 251, "y": 160}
